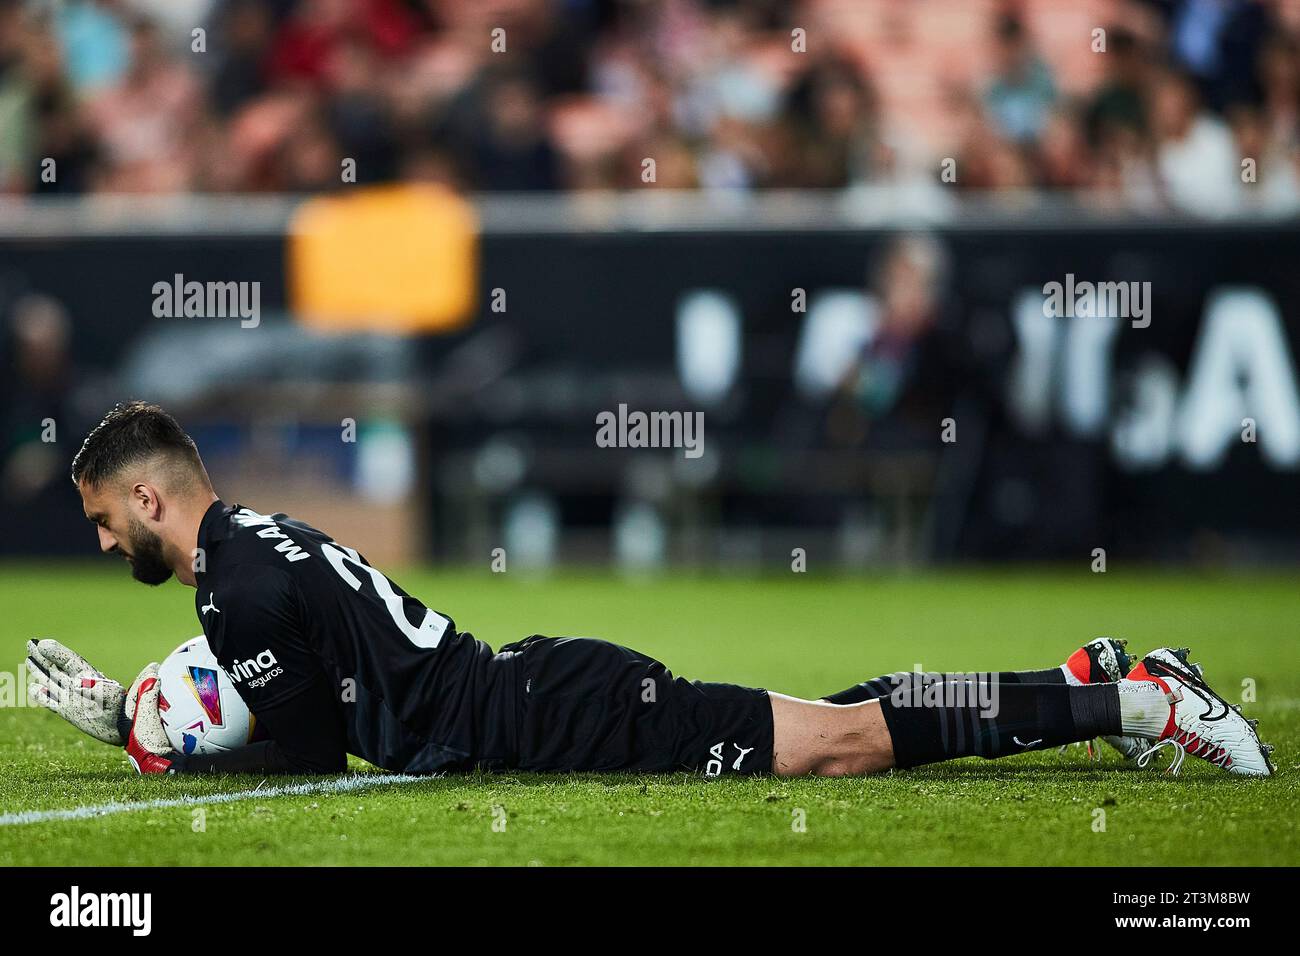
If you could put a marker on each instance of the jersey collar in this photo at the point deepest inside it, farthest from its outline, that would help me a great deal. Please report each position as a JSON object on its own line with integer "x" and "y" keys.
{"x": 212, "y": 530}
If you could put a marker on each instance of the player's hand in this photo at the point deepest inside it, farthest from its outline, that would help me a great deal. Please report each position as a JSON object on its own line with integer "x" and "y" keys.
{"x": 66, "y": 683}
{"x": 147, "y": 746}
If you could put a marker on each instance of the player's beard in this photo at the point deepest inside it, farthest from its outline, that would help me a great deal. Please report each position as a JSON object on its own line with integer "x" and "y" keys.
{"x": 148, "y": 565}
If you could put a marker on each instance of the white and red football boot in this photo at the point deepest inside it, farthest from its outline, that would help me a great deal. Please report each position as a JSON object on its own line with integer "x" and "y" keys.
{"x": 1104, "y": 661}
{"x": 1200, "y": 721}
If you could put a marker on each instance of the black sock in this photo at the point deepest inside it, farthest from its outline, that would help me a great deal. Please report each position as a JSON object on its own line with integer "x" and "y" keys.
{"x": 957, "y": 719}
{"x": 883, "y": 686}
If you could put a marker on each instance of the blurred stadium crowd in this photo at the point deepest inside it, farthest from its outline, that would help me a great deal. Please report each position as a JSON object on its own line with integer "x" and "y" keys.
{"x": 1016, "y": 91}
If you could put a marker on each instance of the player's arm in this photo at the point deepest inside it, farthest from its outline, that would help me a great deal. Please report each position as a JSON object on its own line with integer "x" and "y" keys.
{"x": 295, "y": 700}
{"x": 302, "y": 742}
{"x": 63, "y": 681}
{"x": 307, "y": 736}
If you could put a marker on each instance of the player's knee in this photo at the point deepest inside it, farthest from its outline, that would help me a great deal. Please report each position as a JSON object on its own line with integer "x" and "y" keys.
{"x": 849, "y": 766}
{"x": 838, "y": 767}
{"x": 850, "y": 760}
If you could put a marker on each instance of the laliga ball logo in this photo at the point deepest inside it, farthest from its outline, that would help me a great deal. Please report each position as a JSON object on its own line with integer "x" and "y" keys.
{"x": 201, "y": 711}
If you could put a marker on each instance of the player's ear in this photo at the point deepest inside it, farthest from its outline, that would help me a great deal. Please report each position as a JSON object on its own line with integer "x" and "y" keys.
{"x": 144, "y": 500}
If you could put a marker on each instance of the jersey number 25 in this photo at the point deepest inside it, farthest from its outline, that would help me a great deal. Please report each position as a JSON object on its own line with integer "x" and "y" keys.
{"x": 431, "y": 629}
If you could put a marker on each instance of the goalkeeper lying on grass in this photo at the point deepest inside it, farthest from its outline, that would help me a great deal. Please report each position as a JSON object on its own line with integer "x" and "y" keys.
{"x": 334, "y": 658}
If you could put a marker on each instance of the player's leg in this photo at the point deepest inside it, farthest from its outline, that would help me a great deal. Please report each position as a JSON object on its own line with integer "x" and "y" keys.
{"x": 590, "y": 705}
{"x": 587, "y": 704}
{"x": 814, "y": 737}
{"x": 1104, "y": 660}
{"x": 582, "y": 704}
{"x": 959, "y": 719}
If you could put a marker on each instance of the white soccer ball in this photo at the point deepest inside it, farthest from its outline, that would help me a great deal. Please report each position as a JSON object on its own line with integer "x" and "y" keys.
{"x": 201, "y": 711}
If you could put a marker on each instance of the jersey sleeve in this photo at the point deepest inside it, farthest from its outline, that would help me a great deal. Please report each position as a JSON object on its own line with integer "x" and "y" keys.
{"x": 263, "y": 649}
{"x": 307, "y": 736}
{"x": 279, "y": 676}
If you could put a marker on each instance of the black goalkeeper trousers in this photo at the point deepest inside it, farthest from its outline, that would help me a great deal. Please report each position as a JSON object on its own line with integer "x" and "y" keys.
{"x": 577, "y": 703}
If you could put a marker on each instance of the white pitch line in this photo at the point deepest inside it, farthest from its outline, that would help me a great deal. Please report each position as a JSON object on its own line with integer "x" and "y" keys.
{"x": 339, "y": 785}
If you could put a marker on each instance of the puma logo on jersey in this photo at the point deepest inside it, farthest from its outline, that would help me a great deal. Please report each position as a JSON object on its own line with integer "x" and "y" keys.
{"x": 714, "y": 766}
{"x": 740, "y": 756}
{"x": 210, "y": 606}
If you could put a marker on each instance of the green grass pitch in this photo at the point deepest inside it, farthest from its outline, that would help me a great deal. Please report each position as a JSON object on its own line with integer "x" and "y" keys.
{"x": 799, "y": 634}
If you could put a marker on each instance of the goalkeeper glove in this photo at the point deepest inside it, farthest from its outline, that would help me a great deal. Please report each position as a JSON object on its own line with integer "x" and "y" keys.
{"x": 66, "y": 683}
{"x": 147, "y": 746}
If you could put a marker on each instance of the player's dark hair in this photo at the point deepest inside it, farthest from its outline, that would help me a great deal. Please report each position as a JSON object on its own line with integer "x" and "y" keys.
{"x": 130, "y": 433}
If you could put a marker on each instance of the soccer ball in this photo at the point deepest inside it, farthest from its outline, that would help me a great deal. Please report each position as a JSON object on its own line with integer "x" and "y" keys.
{"x": 201, "y": 711}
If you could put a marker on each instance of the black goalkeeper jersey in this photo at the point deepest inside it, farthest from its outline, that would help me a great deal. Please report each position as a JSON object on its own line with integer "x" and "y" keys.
{"x": 329, "y": 654}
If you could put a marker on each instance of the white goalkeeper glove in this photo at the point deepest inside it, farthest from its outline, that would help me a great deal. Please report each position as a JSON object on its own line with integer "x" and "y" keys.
{"x": 147, "y": 746}
{"x": 66, "y": 683}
